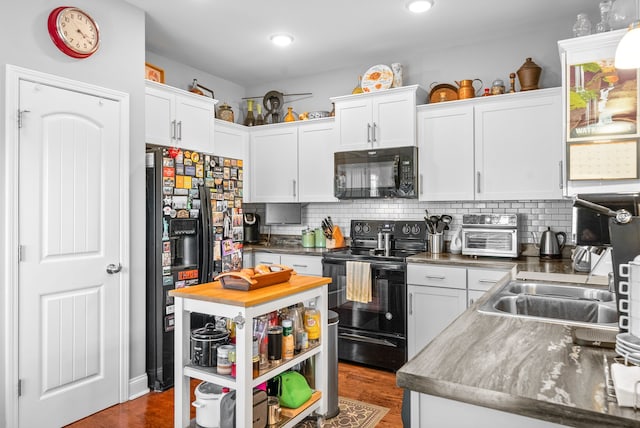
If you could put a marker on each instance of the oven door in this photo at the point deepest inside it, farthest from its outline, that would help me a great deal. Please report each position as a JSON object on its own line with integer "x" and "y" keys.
{"x": 385, "y": 313}
{"x": 371, "y": 333}
{"x": 490, "y": 242}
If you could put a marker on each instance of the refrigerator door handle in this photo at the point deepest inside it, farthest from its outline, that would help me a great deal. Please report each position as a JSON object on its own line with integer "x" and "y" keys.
{"x": 206, "y": 268}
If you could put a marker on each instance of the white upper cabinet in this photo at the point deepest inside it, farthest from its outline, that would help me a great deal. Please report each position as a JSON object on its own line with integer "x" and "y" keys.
{"x": 230, "y": 140}
{"x": 518, "y": 152}
{"x": 274, "y": 163}
{"x": 292, "y": 162}
{"x": 174, "y": 117}
{"x": 316, "y": 144}
{"x": 505, "y": 147}
{"x": 445, "y": 153}
{"x": 377, "y": 119}
{"x": 600, "y": 116}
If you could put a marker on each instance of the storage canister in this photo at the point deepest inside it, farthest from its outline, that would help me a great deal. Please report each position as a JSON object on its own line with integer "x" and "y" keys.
{"x": 224, "y": 363}
{"x": 308, "y": 238}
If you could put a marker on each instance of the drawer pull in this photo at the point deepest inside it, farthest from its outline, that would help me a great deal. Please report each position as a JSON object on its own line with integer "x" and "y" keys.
{"x": 301, "y": 266}
{"x": 488, "y": 281}
{"x": 265, "y": 263}
{"x": 434, "y": 277}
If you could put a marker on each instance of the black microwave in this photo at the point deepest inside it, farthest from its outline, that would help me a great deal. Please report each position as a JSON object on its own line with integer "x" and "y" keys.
{"x": 376, "y": 173}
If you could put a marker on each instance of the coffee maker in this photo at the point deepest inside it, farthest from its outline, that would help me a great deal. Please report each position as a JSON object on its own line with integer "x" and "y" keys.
{"x": 251, "y": 224}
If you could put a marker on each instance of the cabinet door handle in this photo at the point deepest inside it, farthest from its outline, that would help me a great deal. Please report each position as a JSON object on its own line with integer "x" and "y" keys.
{"x": 478, "y": 181}
{"x": 434, "y": 277}
{"x": 421, "y": 184}
{"x": 173, "y": 129}
{"x": 294, "y": 188}
{"x": 368, "y": 132}
{"x": 410, "y": 303}
{"x": 374, "y": 132}
{"x": 561, "y": 178}
{"x": 180, "y": 131}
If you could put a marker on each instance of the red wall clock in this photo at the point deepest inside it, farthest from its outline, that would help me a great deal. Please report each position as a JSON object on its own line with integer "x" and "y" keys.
{"x": 73, "y": 31}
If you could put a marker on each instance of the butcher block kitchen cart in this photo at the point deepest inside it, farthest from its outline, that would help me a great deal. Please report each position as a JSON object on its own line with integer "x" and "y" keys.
{"x": 243, "y": 307}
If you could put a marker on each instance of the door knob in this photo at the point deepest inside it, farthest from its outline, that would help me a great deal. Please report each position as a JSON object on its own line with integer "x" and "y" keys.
{"x": 112, "y": 268}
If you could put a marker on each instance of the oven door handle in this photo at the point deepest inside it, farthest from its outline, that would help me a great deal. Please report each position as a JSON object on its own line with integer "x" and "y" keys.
{"x": 374, "y": 264}
{"x": 360, "y": 338}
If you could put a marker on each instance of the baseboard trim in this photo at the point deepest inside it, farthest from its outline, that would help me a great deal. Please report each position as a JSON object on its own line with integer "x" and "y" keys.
{"x": 138, "y": 387}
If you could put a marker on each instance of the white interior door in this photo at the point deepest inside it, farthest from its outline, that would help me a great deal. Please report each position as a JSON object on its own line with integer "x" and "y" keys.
{"x": 69, "y": 231}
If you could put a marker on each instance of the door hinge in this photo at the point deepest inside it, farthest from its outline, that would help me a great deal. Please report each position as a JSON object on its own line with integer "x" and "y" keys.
{"x": 20, "y": 117}
{"x": 19, "y": 387}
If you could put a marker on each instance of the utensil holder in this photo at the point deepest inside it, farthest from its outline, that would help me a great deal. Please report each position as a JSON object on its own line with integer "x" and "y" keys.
{"x": 435, "y": 243}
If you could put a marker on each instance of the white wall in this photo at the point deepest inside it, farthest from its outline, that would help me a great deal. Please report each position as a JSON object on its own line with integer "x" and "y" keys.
{"x": 487, "y": 59}
{"x": 119, "y": 64}
{"x": 181, "y": 76}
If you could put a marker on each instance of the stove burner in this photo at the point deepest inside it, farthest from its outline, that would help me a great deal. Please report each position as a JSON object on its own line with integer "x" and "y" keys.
{"x": 408, "y": 237}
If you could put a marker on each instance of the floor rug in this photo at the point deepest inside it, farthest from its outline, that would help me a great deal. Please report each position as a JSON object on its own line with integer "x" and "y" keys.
{"x": 353, "y": 414}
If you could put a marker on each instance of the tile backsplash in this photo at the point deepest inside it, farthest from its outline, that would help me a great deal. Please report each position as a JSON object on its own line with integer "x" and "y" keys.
{"x": 534, "y": 216}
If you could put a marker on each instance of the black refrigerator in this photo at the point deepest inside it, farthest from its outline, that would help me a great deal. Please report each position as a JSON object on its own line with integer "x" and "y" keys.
{"x": 194, "y": 230}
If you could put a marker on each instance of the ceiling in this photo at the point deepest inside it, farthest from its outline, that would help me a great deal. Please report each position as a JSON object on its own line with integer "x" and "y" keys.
{"x": 230, "y": 39}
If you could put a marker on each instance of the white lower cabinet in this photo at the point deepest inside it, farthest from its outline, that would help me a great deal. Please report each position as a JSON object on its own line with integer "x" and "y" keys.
{"x": 303, "y": 265}
{"x": 434, "y": 411}
{"x": 431, "y": 310}
{"x": 481, "y": 280}
{"x": 438, "y": 295}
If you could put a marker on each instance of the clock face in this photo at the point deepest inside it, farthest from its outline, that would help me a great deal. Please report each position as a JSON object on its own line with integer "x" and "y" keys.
{"x": 74, "y": 32}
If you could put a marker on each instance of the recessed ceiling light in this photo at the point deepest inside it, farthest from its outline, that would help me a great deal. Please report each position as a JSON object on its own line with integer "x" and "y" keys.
{"x": 419, "y": 6}
{"x": 282, "y": 39}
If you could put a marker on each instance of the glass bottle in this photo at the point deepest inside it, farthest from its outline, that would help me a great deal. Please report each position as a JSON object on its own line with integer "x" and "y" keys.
{"x": 605, "y": 9}
{"x": 358, "y": 88}
{"x": 287, "y": 339}
{"x": 249, "y": 120}
{"x": 290, "y": 117}
{"x": 259, "y": 118}
{"x": 582, "y": 27}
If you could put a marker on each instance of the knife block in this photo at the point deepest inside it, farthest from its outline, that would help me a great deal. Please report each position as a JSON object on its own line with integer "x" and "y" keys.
{"x": 337, "y": 239}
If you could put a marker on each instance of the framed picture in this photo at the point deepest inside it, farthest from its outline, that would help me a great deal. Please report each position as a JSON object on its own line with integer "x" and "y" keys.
{"x": 201, "y": 90}
{"x": 153, "y": 73}
{"x": 602, "y": 101}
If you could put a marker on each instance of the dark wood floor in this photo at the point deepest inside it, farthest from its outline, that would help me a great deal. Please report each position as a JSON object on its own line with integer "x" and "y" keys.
{"x": 155, "y": 410}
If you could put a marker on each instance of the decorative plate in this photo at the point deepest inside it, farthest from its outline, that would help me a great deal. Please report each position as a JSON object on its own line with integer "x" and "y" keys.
{"x": 377, "y": 78}
{"x": 443, "y": 92}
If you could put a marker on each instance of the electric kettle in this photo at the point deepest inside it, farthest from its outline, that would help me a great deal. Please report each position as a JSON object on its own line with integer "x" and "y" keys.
{"x": 550, "y": 244}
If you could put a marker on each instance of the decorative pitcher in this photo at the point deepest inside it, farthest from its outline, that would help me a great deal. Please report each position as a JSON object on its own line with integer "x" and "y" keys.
{"x": 466, "y": 88}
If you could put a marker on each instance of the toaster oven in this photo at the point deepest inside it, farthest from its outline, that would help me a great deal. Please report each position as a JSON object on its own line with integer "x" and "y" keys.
{"x": 494, "y": 235}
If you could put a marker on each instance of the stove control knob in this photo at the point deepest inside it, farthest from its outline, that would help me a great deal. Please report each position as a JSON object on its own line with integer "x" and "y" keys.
{"x": 357, "y": 228}
{"x": 416, "y": 229}
{"x": 406, "y": 229}
{"x": 366, "y": 228}
{"x": 388, "y": 316}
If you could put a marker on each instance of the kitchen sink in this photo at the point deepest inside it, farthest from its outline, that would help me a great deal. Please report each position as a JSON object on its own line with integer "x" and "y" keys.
{"x": 556, "y": 302}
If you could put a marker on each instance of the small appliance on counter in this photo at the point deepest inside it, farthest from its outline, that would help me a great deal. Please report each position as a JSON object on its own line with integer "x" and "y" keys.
{"x": 251, "y": 223}
{"x": 493, "y": 235}
{"x": 551, "y": 244}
